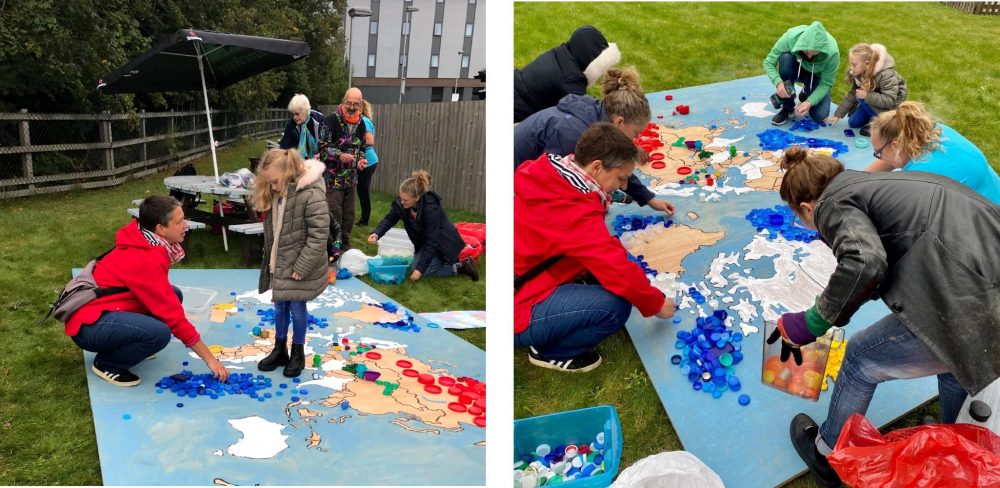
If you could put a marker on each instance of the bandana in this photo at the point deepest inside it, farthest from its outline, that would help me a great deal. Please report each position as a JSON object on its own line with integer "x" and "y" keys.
{"x": 350, "y": 120}
{"x": 578, "y": 178}
{"x": 174, "y": 251}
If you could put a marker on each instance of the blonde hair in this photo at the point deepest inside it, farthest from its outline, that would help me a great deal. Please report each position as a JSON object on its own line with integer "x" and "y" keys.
{"x": 624, "y": 97}
{"x": 288, "y": 163}
{"x": 366, "y": 109}
{"x": 417, "y": 184}
{"x": 299, "y": 102}
{"x": 806, "y": 175}
{"x": 912, "y": 126}
{"x": 865, "y": 53}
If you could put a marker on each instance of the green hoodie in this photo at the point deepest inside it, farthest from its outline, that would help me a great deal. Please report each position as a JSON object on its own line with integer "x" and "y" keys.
{"x": 812, "y": 37}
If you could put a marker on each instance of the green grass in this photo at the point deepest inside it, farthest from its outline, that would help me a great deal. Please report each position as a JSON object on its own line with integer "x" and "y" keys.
{"x": 945, "y": 56}
{"x": 46, "y": 427}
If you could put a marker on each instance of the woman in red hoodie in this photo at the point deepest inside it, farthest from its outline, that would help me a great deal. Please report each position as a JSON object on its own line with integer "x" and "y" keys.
{"x": 560, "y": 235}
{"x": 126, "y": 328}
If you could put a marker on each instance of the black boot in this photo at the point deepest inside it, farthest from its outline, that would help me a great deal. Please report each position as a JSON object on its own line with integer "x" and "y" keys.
{"x": 468, "y": 268}
{"x": 296, "y": 361}
{"x": 278, "y": 356}
{"x": 803, "y": 432}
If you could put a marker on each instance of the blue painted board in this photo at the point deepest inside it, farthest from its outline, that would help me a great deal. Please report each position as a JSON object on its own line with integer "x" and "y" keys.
{"x": 747, "y": 446}
{"x": 161, "y": 444}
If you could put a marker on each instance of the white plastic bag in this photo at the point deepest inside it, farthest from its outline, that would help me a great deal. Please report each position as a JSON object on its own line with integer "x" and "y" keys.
{"x": 355, "y": 261}
{"x": 677, "y": 469}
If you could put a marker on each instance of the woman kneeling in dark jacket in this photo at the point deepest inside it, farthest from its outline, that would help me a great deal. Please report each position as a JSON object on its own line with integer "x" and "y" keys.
{"x": 435, "y": 239}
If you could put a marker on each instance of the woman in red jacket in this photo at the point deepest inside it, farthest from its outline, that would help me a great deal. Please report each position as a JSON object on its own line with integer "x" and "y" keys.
{"x": 560, "y": 235}
{"x": 126, "y": 328}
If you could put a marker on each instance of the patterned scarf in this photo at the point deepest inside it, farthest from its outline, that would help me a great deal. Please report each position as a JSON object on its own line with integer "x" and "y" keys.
{"x": 174, "y": 251}
{"x": 578, "y": 178}
{"x": 307, "y": 142}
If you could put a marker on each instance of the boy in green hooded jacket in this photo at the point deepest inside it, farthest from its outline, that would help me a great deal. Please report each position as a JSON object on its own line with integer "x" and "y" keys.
{"x": 806, "y": 54}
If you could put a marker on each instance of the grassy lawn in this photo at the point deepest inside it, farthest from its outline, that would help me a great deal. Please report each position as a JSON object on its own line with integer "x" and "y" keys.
{"x": 46, "y": 427}
{"x": 676, "y": 45}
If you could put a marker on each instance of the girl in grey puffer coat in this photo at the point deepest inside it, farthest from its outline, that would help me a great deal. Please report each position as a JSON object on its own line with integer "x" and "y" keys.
{"x": 292, "y": 196}
{"x": 876, "y": 86}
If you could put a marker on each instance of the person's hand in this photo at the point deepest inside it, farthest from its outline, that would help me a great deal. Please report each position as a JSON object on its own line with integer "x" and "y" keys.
{"x": 362, "y": 163}
{"x": 415, "y": 275}
{"x": 346, "y": 158}
{"x": 831, "y": 119}
{"x": 662, "y": 205}
{"x": 781, "y": 90}
{"x": 667, "y": 310}
{"x": 803, "y": 108}
{"x": 861, "y": 93}
{"x": 797, "y": 320}
{"x": 296, "y": 276}
{"x": 372, "y": 238}
{"x": 218, "y": 370}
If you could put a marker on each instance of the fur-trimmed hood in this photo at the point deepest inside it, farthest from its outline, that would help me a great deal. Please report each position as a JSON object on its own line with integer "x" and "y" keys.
{"x": 885, "y": 60}
{"x": 314, "y": 169}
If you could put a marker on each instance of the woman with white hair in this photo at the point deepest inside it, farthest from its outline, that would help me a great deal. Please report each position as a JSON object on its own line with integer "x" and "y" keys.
{"x": 302, "y": 116}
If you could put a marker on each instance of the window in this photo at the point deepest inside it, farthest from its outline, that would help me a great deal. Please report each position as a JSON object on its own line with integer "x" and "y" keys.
{"x": 468, "y": 30}
{"x": 437, "y": 94}
{"x": 371, "y": 60}
{"x": 406, "y": 28}
{"x": 465, "y": 61}
{"x": 373, "y": 27}
{"x": 472, "y": 1}
{"x": 437, "y": 28}
{"x": 434, "y": 60}
{"x": 440, "y": 1}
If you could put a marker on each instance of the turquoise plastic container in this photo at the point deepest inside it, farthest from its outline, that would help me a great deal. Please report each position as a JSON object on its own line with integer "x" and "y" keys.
{"x": 574, "y": 427}
{"x": 386, "y": 274}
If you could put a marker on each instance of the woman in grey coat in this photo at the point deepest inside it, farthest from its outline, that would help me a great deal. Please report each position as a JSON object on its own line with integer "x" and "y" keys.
{"x": 927, "y": 246}
{"x": 292, "y": 196}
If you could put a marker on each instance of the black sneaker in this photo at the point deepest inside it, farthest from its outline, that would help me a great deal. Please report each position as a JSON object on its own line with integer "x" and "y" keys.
{"x": 780, "y": 118}
{"x": 115, "y": 377}
{"x": 866, "y": 131}
{"x": 803, "y": 431}
{"x": 587, "y": 361}
{"x": 468, "y": 268}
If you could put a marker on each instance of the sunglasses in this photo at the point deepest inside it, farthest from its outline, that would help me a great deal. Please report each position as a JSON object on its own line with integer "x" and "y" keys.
{"x": 878, "y": 152}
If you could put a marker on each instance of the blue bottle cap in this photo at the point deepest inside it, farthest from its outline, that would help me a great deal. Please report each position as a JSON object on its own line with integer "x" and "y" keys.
{"x": 180, "y": 405}
{"x": 677, "y": 319}
{"x": 675, "y": 359}
{"x": 744, "y": 399}
{"x": 696, "y": 385}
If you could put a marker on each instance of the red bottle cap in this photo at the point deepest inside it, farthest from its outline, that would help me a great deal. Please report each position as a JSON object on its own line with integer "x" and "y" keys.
{"x": 457, "y": 407}
{"x": 426, "y": 379}
{"x": 455, "y": 390}
{"x": 467, "y": 397}
{"x": 373, "y": 355}
{"x": 658, "y": 165}
{"x": 684, "y": 170}
{"x": 402, "y": 363}
{"x": 435, "y": 389}
{"x": 475, "y": 411}
{"x": 412, "y": 373}
{"x": 480, "y": 421}
{"x": 669, "y": 97}
{"x": 446, "y": 381}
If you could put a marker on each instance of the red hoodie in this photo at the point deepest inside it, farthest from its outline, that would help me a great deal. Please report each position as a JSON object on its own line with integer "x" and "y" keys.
{"x": 142, "y": 268}
{"x": 551, "y": 217}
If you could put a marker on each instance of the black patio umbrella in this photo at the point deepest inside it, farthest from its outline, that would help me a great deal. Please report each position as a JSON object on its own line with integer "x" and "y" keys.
{"x": 195, "y": 60}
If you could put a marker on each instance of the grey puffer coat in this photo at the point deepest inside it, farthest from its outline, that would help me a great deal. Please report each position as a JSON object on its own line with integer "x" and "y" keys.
{"x": 887, "y": 93}
{"x": 928, "y": 246}
{"x": 301, "y": 248}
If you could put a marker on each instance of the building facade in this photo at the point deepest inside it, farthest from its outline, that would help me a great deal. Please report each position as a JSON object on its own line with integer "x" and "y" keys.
{"x": 433, "y": 47}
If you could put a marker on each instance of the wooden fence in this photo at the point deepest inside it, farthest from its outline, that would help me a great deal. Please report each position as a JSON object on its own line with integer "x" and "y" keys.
{"x": 448, "y": 139}
{"x": 976, "y": 8}
{"x": 48, "y": 153}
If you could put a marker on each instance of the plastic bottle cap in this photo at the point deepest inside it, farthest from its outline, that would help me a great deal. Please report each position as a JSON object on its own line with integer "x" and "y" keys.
{"x": 744, "y": 399}
{"x": 457, "y": 407}
{"x": 411, "y": 373}
{"x": 571, "y": 451}
{"x": 543, "y": 450}
{"x": 980, "y": 411}
{"x": 480, "y": 421}
{"x": 373, "y": 355}
{"x": 435, "y": 389}
{"x": 402, "y": 363}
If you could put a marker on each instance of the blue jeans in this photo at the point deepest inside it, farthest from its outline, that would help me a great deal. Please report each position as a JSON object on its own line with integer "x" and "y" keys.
{"x": 300, "y": 319}
{"x": 124, "y": 339}
{"x": 572, "y": 320}
{"x": 436, "y": 269}
{"x": 861, "y": 116}
{"x": 885, "y": 351}
{"x": 788, "y": 69}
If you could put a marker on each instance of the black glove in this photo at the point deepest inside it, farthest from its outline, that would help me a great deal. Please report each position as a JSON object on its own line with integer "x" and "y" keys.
{"x": 787, "y": 346}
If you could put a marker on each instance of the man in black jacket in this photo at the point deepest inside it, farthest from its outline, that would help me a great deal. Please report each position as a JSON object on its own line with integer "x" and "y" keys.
{"x": 567, "y": 68}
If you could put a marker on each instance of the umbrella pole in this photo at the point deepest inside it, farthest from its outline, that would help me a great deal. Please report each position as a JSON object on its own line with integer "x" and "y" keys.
{"x": 211, "y": 145}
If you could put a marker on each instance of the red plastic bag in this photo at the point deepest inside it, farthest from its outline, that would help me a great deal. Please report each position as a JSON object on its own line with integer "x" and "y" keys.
{"x": 473, "y": 248}
{"x": 954, "y": 455}
{"x": 474, "y": 229}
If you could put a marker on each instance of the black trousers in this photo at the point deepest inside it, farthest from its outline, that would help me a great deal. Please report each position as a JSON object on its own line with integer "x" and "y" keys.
{"x": 341, "y": 203}
{"x": 364, "y": 193}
